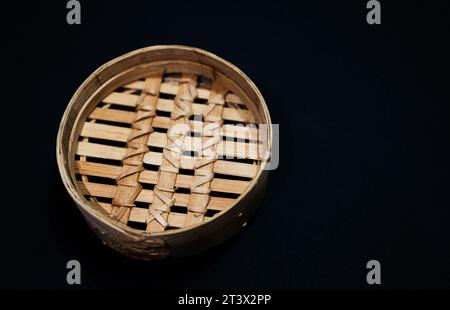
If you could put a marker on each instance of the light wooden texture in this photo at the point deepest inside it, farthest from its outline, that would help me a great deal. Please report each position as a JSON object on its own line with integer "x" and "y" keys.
{"x": 225, "y": 148}
{"x": 146, "y": 195}
{"x": 211, "y": 140}
{"x": 171, "y": 160}
{"x": 158, "y": 139}
{"x": 167, "y": 105}
{"x": 128, "y": 185}
{"x": 113, "y": 160}
{"x": 231, "y": 131}
{"x": 151, "y": 177}
{"x": 172, "y": 89}
{"x": 139, "y": 215}
{"x": 203, "y": 181}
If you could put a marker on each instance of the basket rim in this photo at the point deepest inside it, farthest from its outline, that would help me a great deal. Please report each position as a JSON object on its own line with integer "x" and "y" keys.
{"x": 81, "y": 201}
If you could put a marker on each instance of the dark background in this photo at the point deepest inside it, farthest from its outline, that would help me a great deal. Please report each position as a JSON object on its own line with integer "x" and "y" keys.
{"x": 364, "y": 121}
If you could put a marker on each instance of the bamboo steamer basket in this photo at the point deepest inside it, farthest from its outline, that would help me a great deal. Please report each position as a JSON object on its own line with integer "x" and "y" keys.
{"x": 164, "y": 150}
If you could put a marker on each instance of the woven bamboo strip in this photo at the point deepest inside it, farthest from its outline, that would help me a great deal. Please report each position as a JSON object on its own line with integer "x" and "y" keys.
{"x": 167, "y": 174}
{"x": 147, "y": 196}
{"x": 154, "y": 158}
{"x": 167, "y": 105}
{"x": 178, "y": 220}
{"x": 229, "y": 149}
{"x": 172, "y": 89}
{"x": 117, "y": 133}
{"x": 151, "y": 177}
{"x": 231, "y": 131}
{"x": 226, "y": 167}
{"x": 203, "y": 175}
{"x": 128, "y": 185}
{"x": 139, "y": 215}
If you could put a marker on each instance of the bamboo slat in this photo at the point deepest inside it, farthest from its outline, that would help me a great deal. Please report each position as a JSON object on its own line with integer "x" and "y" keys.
{"x": 167, "y": 105}
{"x": 139, "y": 215}
{"x": 220, "y": 167}
{"x": 146, "y": 195}
{"x": 231, "y": 131}
{"x": 227, "y": 149}
{"x": 168, "y": 88}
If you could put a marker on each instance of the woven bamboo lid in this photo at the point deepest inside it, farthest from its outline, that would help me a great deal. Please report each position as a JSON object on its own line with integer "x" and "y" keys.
{"x": 164, "y": 149}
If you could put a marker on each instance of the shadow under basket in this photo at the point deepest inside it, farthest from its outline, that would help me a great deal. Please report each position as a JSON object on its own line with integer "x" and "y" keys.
{"x": 165, "y": 151}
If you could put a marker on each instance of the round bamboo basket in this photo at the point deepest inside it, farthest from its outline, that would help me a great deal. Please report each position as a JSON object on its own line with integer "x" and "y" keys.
{"x": 164, "y": 150}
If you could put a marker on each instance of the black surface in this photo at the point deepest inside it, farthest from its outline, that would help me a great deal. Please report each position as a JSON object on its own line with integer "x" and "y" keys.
{"x": 364, "y": 120}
